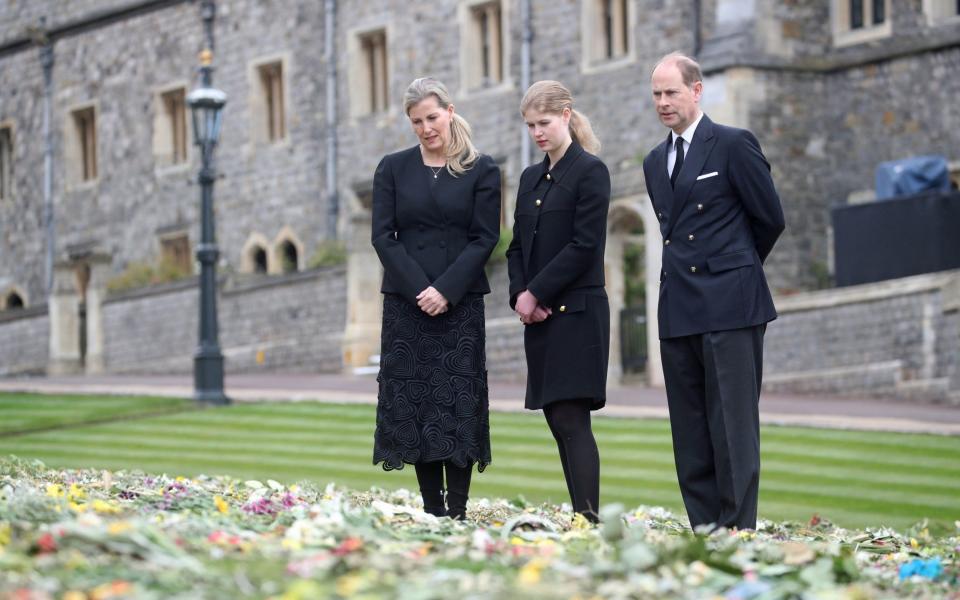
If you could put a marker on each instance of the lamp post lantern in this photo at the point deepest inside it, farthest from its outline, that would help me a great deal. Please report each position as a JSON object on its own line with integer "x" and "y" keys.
{"x": 206, "y": 105}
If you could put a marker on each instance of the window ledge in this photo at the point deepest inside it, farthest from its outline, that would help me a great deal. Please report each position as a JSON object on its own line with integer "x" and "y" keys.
{"x": 264, "y": 145}
{"x": 504, "y": 87}
{"x": 611, "y": 64}
{"x": 83, "y": 186}
{"x": 169, "y": 170}
{"x": 852, "y": 37}
{"x": 380, "y": 119}
{"x": 941, "y": 21}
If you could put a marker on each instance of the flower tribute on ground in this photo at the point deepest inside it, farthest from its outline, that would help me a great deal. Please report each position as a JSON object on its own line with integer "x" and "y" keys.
{"x": 90, "y": 534}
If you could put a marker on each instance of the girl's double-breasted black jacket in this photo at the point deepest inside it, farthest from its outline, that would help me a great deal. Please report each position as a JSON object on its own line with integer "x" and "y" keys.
{"x": 560, "y": 229}
{"x": 437, "y": 233}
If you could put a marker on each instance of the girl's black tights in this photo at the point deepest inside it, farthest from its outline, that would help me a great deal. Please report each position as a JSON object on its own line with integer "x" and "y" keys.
{"x": 569, "y": 421}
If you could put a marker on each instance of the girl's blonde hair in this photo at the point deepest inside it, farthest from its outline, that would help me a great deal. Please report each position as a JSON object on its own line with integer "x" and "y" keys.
{"x": 552, "y": 97}
{"x": 460, "y": 151}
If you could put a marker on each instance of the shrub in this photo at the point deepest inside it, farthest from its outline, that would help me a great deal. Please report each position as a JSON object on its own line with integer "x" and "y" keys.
{"x": 329, "y": 253}
{"x": 499, "y": 253}
{"x": 139, "y": 274}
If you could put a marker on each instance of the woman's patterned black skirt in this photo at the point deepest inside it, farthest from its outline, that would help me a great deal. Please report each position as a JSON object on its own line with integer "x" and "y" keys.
{"x": 432, "y": 403}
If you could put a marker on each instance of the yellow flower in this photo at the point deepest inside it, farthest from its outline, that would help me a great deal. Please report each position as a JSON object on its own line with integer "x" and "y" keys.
{"x": 302, "y": 589}
{"x": 294, "y": 488}
{"x": 4, "y": 534}
{"x": 580, "y": 522}
{"x": 517, "y": 541}
{"x": 104, "y": 507}
{"x": 348, "y": 585}
{"x": 291, "y": 544}
{"x": 76, "y": 493}
{"x": 54, "y": 490}
{"x": 118, "y": 527}
{"x": 77, "y": 508}
{"x": 180, "y": 479}
{"x": 531, "y": 572}
{"x": 74, "y": 595}
{"x": 114, "y": 589}
{"x": 221, "y": 505}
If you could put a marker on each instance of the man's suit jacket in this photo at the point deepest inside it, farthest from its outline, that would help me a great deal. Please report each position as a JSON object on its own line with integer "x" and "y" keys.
{"x": 719, "y": 223}
{"x": 560, "y": 227}
{"x": 434, "y": 233}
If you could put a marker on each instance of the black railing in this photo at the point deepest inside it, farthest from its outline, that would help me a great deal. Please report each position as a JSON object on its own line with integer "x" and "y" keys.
{"x": 633, "y": 339}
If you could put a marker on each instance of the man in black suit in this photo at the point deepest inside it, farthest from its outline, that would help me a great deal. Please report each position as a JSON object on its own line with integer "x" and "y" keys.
{"x": 720, "y": 215}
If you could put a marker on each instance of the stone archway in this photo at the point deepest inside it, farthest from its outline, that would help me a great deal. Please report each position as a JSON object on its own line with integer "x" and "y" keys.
{"x": 628, "y": 216}
{"x": 288, "y": 256}
{"x": 13, "y": 299}
{"x": 75, "y": 311}
{"x": 254, "y": 257}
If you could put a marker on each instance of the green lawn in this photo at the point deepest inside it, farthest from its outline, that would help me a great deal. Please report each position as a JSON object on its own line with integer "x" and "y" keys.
{"x": 856, "y": 479}
{"x": 28, "y": 412}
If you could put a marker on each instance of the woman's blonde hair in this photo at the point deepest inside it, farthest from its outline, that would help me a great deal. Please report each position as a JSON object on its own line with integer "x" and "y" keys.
{"x": 460, "y": 151}
{"x": 552, "y": 97}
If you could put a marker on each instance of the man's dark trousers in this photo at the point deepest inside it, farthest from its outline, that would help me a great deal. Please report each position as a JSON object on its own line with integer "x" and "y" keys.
{"x": 717, "y": 451}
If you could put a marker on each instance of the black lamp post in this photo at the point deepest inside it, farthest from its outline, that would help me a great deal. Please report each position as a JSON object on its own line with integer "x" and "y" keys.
{"x": 206, "y": 104}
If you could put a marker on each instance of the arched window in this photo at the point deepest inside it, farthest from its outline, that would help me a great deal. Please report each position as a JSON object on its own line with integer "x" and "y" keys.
{"x": 288, "y": 257}
{"x": 259, "y": 256}
{"x": 13, "y": 301}
{"x": 287, "y": 251}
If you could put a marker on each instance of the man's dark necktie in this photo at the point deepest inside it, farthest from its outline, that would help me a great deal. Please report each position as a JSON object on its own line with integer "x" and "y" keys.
{"x": 679, "y": 162}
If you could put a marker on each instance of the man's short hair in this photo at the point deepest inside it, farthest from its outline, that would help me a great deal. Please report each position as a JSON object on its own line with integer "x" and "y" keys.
{"x": 689, "y": 68}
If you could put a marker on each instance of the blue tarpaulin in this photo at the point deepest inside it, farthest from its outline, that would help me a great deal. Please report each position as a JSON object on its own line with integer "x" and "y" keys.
{"x": 912, "y": 175}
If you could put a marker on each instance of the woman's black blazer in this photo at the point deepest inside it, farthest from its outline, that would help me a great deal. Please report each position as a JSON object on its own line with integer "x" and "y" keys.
{"x": 560, "y": 229}
{"x": 438, "y": 234}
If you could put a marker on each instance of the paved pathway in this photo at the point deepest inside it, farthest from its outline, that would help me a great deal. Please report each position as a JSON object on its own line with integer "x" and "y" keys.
{"x": 626, "y": 401}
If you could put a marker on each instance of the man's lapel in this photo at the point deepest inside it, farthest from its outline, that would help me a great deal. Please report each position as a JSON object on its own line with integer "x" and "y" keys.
{"x": 703, "y": 143}
{"x": 660, "y": 187}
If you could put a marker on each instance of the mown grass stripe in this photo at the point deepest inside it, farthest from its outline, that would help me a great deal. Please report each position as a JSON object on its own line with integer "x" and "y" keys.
{"x": 226, "y": 440}
{"x": 192, "y": 424}
{"x": 947, "y": 447}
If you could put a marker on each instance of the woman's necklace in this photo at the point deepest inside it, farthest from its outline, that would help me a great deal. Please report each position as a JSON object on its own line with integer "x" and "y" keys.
{"x": 435, "y": 170}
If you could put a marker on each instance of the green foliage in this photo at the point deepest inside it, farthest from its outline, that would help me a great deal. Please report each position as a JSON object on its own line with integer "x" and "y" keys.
{"x": 633, "y": 275}
{"x": 138, "y": 275}
{"x": 821, "y": 275}
{"x": 329, "y": 253}
{"x": 499, "y": 253}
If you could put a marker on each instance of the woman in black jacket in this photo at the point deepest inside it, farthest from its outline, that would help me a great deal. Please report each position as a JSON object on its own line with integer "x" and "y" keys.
{"x": 436, "y": 219}
{"x": 556, "y": 282}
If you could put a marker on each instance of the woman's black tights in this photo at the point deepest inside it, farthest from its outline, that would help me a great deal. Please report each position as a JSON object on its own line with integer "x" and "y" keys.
{"x": 569, "y": 421}
{"x": 430, "y": 478}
